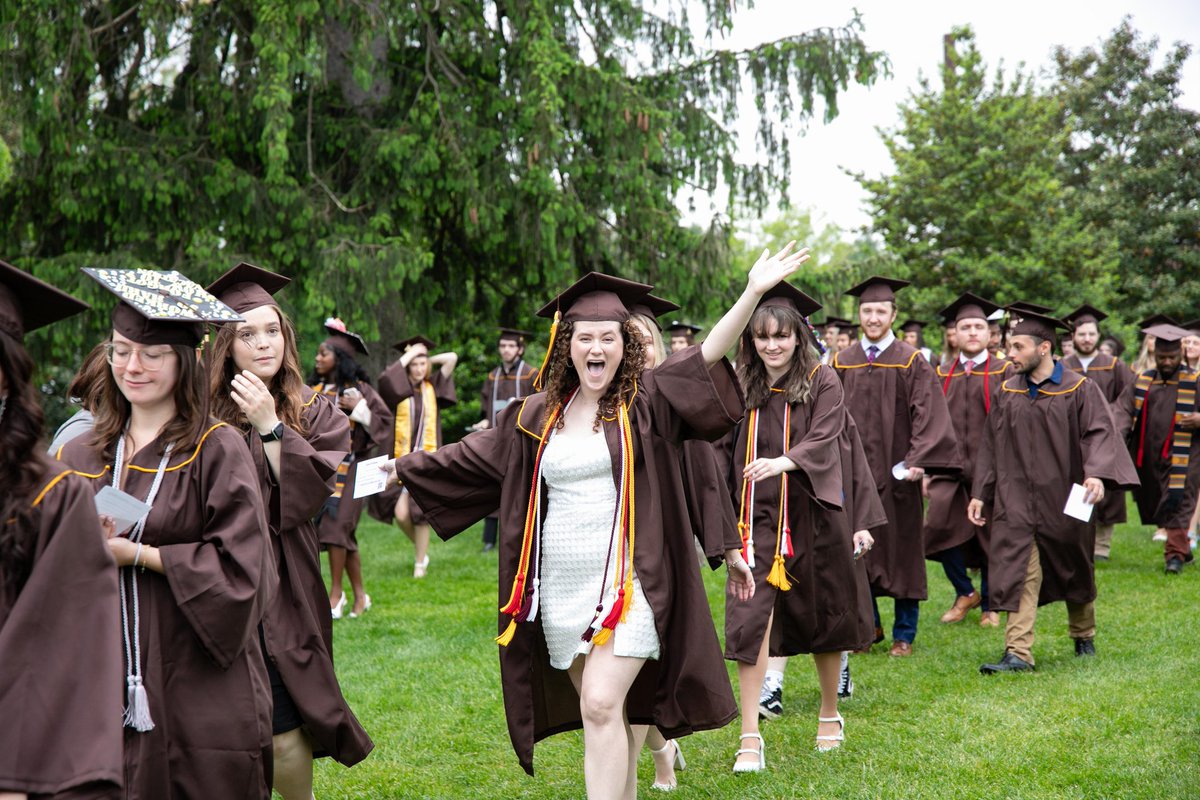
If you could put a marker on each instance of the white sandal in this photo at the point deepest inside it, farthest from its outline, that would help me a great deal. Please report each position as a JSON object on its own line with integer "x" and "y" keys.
{"x": 421, "y": 567}
{"x": 335, "y": 611}
{"x": 838, "y": 737}
{"x": 679, "y": 764}
{"x": 750, "y": 766}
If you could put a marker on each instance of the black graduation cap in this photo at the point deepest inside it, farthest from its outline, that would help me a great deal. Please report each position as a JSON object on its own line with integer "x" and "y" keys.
{"x": 915, "y": 325}
{"x": 652, "y": 308}
{"x": 160, "y": 307}
{"x": 877, "y": 289}
{"x": 835, "y": 322}
{"x": 595, "y": 297}
{"x": 515, "y": 335}
{"x": 1167, "y": 338}
{"x": 1085, "y": 313}
{"x": 968, "y": 306}
{"x": 1036, "y": 308}
{"x": 346, "y": 341}
{"x": 246, "y": 286}
{"x": 1193, "y": 326}
{"x": 27, "y": 303}
{"x": 1039, "y": 325}
{"x": 1156, "y": 319}
{"x": 678, "y": 328}
{"x": 414, "y": 340}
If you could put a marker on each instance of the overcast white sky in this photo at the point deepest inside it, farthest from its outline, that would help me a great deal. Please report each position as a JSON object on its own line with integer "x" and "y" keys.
{"x": 911, "y": 34}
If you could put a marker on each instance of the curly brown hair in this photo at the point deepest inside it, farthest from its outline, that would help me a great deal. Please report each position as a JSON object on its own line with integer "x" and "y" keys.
{"x": 752, "y": 372}
{"x": 562, "y": 378}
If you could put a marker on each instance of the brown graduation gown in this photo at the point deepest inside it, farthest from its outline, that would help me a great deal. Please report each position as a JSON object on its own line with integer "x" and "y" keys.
{"x": 365, "y": 442}
{"x": 901, "y": 416}
{"x": 203, "y": 668}
{"x": 831, "y": 495}
{"x": 395, "y": 388}
{"x": 946, "y": 523}
{"x": 687, "y": 688}
{"x": 1157, "y": 506}
{"x": 297, "y": 627}
{"x": 1034, "y": 450}
{"x": 500, "y": 387}
{"x": 711, "y": 514}
{"x": 1112, "y": 375}
{"x": 60, "y": 651}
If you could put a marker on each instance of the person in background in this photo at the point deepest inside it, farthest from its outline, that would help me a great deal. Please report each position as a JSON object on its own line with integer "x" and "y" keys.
{"x": 914, "y": 337}
{"x": 682, "y": 335}
{"x": 949, "y": 343}
{"x": 82, "y": 390}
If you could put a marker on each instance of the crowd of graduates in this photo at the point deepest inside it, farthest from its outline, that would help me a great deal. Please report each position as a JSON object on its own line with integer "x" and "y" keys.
{"x": 166, "y": 631}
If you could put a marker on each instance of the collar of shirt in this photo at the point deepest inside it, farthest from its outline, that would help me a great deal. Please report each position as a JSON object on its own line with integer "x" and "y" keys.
{"x": 882, "y": 344}
{"x": 1086, "y": 361}
{"x": 1055, "y": 378}
{"x": 516, "y": 367}
{"x": 978, "y": 359}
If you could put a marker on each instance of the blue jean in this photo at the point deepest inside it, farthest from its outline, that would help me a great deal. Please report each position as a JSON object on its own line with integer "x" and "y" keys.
{"x": 956, "y": 571}
{"x": 904, "y": 629}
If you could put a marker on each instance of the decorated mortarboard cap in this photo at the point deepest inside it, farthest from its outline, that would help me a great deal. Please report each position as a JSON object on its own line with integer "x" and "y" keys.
{"x": 160, "y": 307}
{"x": 996, "y": 315}
{"x": 246, "y": 286}
{"x": 412, "y": 341}
{"x": 595, "y": 297}
{"x": 679, "y": 328}
{"x": 1039, "y": 325}
{"x": 515, "y": 335}
{"x": 968, "y": 306}
{"x": 1167, "y": 338}
{"x": 343, "y": 339}
{"x": 877, "y": 289}
{"x": 784, "y": 294}
{"x": 652, "y": 307}
{"x": 1156, "y": 319}
{"x": 27, "y": 303}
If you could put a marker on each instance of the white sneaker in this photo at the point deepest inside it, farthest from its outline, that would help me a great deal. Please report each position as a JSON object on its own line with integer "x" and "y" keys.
{"x": 1159, "y": 536}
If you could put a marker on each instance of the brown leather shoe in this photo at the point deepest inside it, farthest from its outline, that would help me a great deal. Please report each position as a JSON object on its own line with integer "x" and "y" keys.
{"x": 989, "y": 619}
{"x": 900, "y": 648}
{"x": 958, "y": 611}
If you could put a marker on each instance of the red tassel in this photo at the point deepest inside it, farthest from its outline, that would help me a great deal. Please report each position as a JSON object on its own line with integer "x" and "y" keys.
{"x": 518, "y": 596}
{"x": 614, "y": 615}
{"x": 788, "y": 552}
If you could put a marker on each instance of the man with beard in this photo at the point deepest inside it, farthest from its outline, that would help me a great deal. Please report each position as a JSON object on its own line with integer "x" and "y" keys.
{"x": 1112, "y": 376}
{"x": 1050, "y": 429}
{"x": 1159, "y": 410}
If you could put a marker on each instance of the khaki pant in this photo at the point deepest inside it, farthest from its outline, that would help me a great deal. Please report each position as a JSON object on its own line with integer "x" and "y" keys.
{"x": 1018, "y": 634}
{"x": 1104, "y": 537}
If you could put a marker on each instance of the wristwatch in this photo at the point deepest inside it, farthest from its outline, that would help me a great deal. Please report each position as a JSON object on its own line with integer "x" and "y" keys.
{"x": 275, "y": 435}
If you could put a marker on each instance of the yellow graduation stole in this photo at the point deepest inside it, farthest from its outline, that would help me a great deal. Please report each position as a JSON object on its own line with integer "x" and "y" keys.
{"x": 427, "y": 423}
{"x": 1179, "y": 445}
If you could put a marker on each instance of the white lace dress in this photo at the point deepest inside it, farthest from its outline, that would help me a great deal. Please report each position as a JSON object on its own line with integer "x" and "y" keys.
{"x": 575, "y": 541}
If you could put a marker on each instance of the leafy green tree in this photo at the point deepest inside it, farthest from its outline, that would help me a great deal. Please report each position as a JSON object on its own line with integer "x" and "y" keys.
{"x": 1134, "y": 162}
{"x": 976, "y": 201}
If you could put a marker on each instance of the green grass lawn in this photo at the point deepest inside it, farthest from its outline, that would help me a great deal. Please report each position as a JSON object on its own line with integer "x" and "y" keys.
{"x": 420, "y": 670}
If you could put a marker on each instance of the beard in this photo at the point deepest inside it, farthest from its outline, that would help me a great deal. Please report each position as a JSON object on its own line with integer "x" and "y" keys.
{"x": 1080, "y": 351}
{"x": 1029, "y": 367}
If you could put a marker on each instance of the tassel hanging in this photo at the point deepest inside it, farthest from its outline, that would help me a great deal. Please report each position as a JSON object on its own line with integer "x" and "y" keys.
{"x": 539, "y": 382}
{"x": 505, "y": 638}
{"x": 788, "y": 552}
{"x": 137, "y": 709}
{"x": 778, "y": 577}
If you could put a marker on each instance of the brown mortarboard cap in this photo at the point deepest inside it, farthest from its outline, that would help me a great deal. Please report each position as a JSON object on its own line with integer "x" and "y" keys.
{"x": 515, "y": 335}
{"x": 1167, "y": 338}
{"x": 1156, "y": 319}
{"x": 784, "y": 294}
{"x": 834, "y": 322}
{"x": 1036, "y": 308}
{"x": 413, "y": 340}
{"x": 160, "y": 307}
{"x": 246, "y": 286}
{"x": 678, "y": 328}
{"x": 1039, "y": 325}
{"x": 596, "y": 298}
{"x": 1193, "y": 326}
{"x": 877, "y": 289}
{"x": 968, "y": 306}
{"x": 343, "y": 339}
{"x": 913, "y": 325}
{"x": 1085, "y": 313}
{"x": 27, "y": 303}
{"x": 652, "y": 308}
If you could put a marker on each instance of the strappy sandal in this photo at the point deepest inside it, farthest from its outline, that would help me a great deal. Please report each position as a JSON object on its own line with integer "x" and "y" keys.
{"x": 421, "y": 567}
{"x": 679, "y": 764}
{"x": 838, "y": 737}
{"x": 750, "y": 766}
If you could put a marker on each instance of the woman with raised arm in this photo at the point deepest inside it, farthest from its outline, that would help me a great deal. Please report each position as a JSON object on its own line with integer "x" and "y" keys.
{"x": 297, "y": 439}
{"x": 196, "y": 569}
{"x": 604, "y": 619}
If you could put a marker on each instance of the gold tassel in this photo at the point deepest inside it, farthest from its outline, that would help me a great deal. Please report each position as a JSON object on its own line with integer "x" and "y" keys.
{"x": 509, "y": 632}
{"x": 539, "y": 382}
{"x": 778, "y": 577}
{"x": 601, "y": 637}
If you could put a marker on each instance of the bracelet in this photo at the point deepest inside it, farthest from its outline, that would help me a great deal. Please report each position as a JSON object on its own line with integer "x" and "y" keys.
{"x": 741, "y": 562}
{"x": 137, "y": 555}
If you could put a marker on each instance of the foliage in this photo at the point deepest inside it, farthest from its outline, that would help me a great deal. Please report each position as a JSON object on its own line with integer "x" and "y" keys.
{"x": 1134, "y": 162}
{"x": 977, "y": 202}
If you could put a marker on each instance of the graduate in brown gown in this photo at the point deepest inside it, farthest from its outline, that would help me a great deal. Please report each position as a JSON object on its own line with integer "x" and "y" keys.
{"x": 1158, "y": 412}
{"x": 60, "y": 653}
{"x": 338, "y": 376}
{"x": 196, "y": 572}
{"x": 512, "y": 380}
{"x": 1050, "y": 428}
{"x": 682, "y": 335}
{"x": 1112, "y": 376}
{"x": 914, "y": 337}
{"x": 971, "y": 384}
{"x": 649, "y": 655}
{"x": 902, "y": 417}
{"x": 415, "y": 388}
{"x": 297, "y": 440}
{"x": 803, "y": 544}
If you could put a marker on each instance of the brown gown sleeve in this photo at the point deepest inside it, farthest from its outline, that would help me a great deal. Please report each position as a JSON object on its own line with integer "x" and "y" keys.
{"x": 485, "y": 397}
{"x": 383, "y": 421}
{"x": 309, "y": 463}
{"x": 984, "y": 485}
{"x": 708, "y": 502}
{"x": 818, "y": 463}
{"x": 868, "y": 508}
{"x": 394, "y": 385}
{"x": 61, "y": 668}
{"x": 1104, "y": 453}
{"x": 933, "y": 446}
{"x": 1124, "y": 411}
{"x": 691, "y": 400}
{"x": 216, "y": 579}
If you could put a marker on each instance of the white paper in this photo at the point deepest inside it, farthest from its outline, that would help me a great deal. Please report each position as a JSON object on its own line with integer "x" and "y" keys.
{"x": 124, "y": 508}
{"x": 1076, "y": 506}
{"x": 369, "y": 479}
{"x": 900, "y": 471}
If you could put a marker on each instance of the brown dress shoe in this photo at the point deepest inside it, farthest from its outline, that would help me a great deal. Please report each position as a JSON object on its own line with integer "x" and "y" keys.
{"x": 989, "y": 619}
{"x": 900, "y": 648}
{"x": 958, "y": 611}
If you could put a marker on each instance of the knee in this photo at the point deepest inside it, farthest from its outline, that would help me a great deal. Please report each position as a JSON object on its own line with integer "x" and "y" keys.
{"x": 599, "y": 707}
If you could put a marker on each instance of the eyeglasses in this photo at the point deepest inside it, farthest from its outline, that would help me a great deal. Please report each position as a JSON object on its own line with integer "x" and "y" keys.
{"x": 118, "y": 355}
{"x": 251, "y": 339}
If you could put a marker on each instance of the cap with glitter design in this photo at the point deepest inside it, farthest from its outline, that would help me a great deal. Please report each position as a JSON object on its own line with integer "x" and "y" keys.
{"x": 160, "y": 306}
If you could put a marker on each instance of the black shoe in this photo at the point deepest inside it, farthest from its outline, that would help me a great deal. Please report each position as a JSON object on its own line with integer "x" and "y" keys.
{"x": 1189, "y": 558}
{"x": 1009, "y": 663}
{"x": 1085, "y": 647}
{"x": 770, "y": 704}
{"x": 1174, "y": 566}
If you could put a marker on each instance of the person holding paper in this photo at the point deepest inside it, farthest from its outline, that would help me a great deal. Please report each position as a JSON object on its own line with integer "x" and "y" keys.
{"x": 416, "y": 388}
{"x": 1049, "y": 428}
{"x": 60, "y": 651}
{"x": 297, "y": 439}
{"x": 196, "y": 572}
{"x": 338, "y": 376}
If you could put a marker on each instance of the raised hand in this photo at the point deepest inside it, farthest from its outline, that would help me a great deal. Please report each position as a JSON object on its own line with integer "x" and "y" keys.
{"x": 254, "y": 399}
{"x": 769, "y": 270}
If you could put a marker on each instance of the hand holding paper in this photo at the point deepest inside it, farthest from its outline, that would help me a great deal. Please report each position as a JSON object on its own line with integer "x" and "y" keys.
{"x": 124, "y": 509}
{"x": 370, "y": 478}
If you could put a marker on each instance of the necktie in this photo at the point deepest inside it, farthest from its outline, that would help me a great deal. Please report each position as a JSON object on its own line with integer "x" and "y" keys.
{"x": 872, "y": 351}
{"x": 967, "y": 367}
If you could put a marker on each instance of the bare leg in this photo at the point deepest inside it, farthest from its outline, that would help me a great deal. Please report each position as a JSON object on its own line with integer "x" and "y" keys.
{"x": 750, "y": 678}
{"x": 609, "y": 757}
{"x": 354, "y": 570}
{"x": 293, "y": 765}
{"x": 421, "y": 541}
{"x": 404, "y": 517}
{"x": 337, "y": 563}
{"x": 829, "y": 669}
{"x": 656, "y": 743}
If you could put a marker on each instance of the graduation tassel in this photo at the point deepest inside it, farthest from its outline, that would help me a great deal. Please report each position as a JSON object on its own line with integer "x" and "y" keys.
{"x": 509, "y": 632}
{"x": 137, "y": 708}
{"x": 783, "y": 532}
{"x": 539, "y": 382}
{"x": 778, "y": 577}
